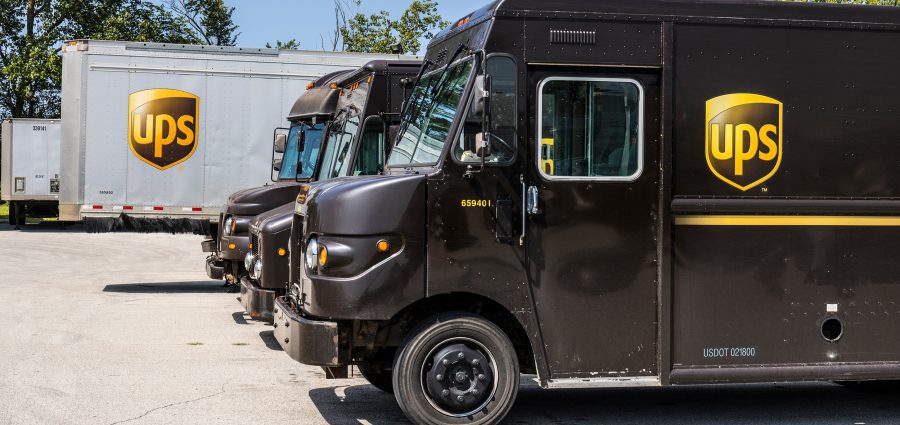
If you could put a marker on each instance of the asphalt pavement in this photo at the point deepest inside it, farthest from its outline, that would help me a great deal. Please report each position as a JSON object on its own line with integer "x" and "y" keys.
{"x": 125, "y": 328}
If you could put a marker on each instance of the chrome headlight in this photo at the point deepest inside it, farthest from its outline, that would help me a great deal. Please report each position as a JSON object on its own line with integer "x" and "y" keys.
{"x": 312, "y": 254}
{"x": 228, "y": 227}
{"x": 257, "y": 269}
{"x": 248, "y": 261}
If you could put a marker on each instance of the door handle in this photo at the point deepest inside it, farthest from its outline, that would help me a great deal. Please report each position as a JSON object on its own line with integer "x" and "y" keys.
{"x": 524, "y": 193}
{"x": 533, "y": 205}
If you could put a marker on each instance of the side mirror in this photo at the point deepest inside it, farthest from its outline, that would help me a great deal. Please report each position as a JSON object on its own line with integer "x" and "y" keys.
{"x": 276, "y": 164}
{"x": 280, "y": 142}
{"x": 482, "y": 145}
{"x": 482, "y": 95}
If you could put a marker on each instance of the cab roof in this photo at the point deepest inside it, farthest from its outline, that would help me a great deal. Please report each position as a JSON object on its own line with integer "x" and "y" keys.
{"x": 788, "y": 13}
{"x": 319, "y": 100}
{"x": 380, "y": 66}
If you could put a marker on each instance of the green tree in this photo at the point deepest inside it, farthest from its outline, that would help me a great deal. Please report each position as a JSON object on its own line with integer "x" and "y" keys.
{"x": 291, "y": 44}
{"x": 378, "y": 33}
{"x": 32, "y": 33}
{"x": 210, "y": 19}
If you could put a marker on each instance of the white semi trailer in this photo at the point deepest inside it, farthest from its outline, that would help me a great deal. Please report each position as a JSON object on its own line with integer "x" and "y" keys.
{"x": 29, "y": 168}
{"x": 168, "y": 132}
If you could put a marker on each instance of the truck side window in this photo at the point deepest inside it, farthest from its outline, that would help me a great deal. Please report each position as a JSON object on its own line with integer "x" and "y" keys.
{"x": 591, "y": 128}
{"x": 370, "y": 158}
{"x": 503, "y": 114}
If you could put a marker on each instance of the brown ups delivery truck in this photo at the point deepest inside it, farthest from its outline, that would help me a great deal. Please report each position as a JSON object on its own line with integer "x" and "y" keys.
{"x": 618, "y": 193}
{"x": 300, "y": 146}
{"x": 354, "y": 144}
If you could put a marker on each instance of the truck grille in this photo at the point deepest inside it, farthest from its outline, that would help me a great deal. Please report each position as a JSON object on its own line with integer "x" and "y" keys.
{"x": 296, "y": 249}
{"x": 254, "y": 244}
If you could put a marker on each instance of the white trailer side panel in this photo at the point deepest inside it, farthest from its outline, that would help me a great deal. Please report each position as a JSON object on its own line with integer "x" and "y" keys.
{"x": 242, "y": 96}
{"x": 30, "y": 160}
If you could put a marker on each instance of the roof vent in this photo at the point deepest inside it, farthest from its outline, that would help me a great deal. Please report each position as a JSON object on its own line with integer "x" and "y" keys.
{"x": 573, "y": 37}
{"x": 441, "y": 57}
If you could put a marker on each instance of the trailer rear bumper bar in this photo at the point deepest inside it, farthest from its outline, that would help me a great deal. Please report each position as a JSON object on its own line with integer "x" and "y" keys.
{"x": 305, "y": 340}
{"x": 258, "y": 302}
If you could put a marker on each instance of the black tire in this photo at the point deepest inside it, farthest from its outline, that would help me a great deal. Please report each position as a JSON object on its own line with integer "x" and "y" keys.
{"x": 379, "y": 377}
{"x": 12, "y": 214}
{"x": 21, "y": 214}
{"x": 491, "y": 385}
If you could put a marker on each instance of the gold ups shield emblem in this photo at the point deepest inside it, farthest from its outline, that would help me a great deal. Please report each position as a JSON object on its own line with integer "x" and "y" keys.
{"x": 162, "y": 126}
{"x": 743, "y": 138}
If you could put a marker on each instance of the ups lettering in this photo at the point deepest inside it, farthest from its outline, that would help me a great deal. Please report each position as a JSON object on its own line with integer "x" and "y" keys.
{"x": 162, "y": 130}
{"x": 743, "y": 142}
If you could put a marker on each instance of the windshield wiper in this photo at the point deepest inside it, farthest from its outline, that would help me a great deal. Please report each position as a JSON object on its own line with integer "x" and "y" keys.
{"x": 301, "y": 142}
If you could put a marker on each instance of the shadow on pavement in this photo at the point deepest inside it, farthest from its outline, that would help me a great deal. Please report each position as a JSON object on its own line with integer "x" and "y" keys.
{"x": 708, "y": 404}
{"x": 359, "y": 404}
{"x": 43, "y": 227}
{"x": 238, "y": 317}
{"x": 201, "y": 287}
{"x": 268, "y": 337}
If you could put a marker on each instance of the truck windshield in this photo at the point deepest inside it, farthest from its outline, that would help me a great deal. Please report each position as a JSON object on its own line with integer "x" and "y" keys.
{"x": 433, "y": 106}
{"x": 312, "y": 140}
{"x": 339, "y": 147}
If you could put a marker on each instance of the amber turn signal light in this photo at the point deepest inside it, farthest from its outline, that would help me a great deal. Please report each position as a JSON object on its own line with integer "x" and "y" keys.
{"x": 323, "y": 256}
{"x": 231, "y": 246}
{"x": 281, "y": 252}
{"x": 383, "y": 246}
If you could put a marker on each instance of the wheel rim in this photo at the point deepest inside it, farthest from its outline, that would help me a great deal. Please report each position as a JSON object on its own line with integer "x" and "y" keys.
{"x": 458, "y": 377}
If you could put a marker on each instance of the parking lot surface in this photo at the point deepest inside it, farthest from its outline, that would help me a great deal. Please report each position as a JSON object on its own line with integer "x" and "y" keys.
{"x": 125, "y": 328}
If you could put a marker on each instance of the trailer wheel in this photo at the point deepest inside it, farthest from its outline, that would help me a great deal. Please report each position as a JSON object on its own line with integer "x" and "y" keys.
{"x": 12, "y": 214}
{"x": 21, "y": 214}
{"x": 457, "y": 368}
{"x": 379, "y": 377}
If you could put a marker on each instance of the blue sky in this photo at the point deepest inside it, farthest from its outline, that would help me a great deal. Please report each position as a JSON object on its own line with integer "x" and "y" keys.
{"x": 308, "y": 21}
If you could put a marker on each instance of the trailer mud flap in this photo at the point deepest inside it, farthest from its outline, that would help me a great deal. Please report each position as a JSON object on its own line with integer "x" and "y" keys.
{"x": 307, "y": 341}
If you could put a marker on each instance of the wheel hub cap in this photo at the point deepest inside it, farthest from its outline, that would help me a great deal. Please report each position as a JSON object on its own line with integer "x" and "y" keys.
{"x": 460, "y": 378}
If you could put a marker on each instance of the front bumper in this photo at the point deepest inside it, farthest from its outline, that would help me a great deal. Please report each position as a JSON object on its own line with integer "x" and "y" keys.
{"x": 241, "y": 245}
{"x": 307, "y": 341}
{"x": 215, "y": 268}
{"x": 209, "y": 245}
{"x": 258, "y": 303}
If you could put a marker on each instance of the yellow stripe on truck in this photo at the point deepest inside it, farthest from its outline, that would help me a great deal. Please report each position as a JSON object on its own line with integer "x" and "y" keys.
{"x": 786, "y": 220}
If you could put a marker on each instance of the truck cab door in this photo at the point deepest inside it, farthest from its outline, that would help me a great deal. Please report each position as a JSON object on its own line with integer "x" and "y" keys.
{"x": 591, "y": 222}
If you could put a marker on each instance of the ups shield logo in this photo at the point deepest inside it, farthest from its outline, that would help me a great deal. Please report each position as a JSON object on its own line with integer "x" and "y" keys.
{"x": 743, "y": 138}
{"x": 162, "y": 126}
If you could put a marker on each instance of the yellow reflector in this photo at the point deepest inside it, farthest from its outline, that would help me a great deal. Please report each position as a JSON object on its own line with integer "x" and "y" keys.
{"x": 231, "y": 246}
{"x": 323, "y": 255}
{"x": 281, "y": 252}
{"x": 310, "y": 85}
{"x": 383, "y": 246}
{"x": 333, "y": 86}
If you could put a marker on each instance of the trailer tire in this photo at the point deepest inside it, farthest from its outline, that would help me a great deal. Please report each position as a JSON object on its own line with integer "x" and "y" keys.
{"x": 12, "y": 214}
{"x": 380, "y": 378}
{"x": 456, "y": 368}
